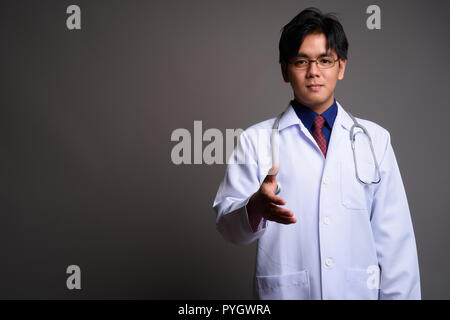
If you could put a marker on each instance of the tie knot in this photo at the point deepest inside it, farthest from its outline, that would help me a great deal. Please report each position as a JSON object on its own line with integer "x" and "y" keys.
{"x": 318, "y": 122}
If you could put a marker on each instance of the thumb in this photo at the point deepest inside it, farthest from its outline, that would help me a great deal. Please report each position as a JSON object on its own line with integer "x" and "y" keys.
{"x": 274, "y": 170}
{"x": 272, "y": 174}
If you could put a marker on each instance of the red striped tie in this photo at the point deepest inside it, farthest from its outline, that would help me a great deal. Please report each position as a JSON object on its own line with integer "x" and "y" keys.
{"x": 318, "y": 134}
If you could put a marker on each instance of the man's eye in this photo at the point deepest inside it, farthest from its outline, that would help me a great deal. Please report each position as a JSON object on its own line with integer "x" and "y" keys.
{"x": 325, "y": 60}
{"x": 301, "y": 62}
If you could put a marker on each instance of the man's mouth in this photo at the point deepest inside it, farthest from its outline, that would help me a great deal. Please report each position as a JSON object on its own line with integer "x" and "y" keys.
{"x": 314, "y": 87}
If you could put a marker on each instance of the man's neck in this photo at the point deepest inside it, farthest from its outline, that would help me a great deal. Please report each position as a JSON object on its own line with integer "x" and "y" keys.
{"x": 317, "y": 108}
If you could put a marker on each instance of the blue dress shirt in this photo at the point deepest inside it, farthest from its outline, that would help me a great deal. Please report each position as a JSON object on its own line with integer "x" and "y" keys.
{"x": 307, "y": 116}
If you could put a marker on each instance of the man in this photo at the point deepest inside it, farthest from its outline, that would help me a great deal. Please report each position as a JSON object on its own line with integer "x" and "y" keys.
{"x": 332, "y": 232}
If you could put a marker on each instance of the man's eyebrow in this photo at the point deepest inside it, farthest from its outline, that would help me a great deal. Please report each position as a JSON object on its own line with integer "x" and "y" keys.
{"x": 324, "y": 54}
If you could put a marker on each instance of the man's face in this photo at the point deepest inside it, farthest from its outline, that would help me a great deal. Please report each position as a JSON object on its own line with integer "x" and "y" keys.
{"x": 321, "y": 96}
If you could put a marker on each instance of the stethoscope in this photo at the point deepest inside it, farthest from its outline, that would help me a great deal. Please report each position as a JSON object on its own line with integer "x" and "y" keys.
{"x": 275, "y": 140}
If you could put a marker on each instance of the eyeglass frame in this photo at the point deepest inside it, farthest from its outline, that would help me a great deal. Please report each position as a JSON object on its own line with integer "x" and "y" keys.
{"x": 316, "y": 61}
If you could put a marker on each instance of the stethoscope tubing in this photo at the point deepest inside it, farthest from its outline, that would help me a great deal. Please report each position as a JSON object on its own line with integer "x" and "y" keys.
{"x": 275, "y": 143}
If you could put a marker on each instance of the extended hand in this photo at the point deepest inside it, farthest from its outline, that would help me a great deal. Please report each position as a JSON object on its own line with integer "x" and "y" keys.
{"x": 266, "y": 204}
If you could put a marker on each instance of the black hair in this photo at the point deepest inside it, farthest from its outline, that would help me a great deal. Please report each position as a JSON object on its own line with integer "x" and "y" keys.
{"x": 312, "y": 20}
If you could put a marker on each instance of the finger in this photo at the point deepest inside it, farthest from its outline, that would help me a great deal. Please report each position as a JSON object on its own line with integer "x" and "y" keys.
{"x": 270, "y": 178}
{"x": 275, "y": 199}
{"x": 282, "y": 220}
{"x": 279, "y": 211}
{"x": 272, "y": 198}
{"x": 281, "y": 215}
{"x": 274, "y": 169}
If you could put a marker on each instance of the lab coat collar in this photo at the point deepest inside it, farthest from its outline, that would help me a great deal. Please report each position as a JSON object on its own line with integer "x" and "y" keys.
{"x": 343, "y": 118}
{"x": 290, "y": 118}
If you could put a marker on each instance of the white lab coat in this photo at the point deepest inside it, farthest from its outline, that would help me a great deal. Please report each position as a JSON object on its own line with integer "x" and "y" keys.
{"x": 344, "y": 228}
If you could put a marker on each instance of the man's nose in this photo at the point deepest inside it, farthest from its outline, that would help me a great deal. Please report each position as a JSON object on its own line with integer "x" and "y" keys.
{"x": 313, "y": 69}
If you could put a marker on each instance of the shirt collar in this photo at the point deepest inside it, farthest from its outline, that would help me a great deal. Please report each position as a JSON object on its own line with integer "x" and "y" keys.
{"x": 290, "y": 118}
{"x": 307, "y": 115}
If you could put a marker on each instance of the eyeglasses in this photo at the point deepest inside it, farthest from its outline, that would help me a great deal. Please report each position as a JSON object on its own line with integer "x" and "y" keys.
{"x": 322, "y": 62}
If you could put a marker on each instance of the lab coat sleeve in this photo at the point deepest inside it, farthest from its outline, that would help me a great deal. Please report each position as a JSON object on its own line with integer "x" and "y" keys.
{"x": 239, "y": 184}
{"x": 393, "y": 234}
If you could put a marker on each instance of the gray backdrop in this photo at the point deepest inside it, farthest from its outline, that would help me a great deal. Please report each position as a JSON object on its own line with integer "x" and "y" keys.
{"x": 86, "y": 118}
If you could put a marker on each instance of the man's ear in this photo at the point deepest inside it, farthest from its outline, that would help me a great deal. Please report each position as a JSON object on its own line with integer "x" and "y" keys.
{"x": 342, "y": 65}
{"x": 284, "y": 71}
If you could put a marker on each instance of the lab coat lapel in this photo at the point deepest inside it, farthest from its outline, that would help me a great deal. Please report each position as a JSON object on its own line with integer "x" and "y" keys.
{"x": 341, "y": 129}
{"x": 290, "y": 118}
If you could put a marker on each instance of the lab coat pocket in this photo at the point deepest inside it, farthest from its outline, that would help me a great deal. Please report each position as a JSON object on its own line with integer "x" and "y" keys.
{"x": 354, "y": 193}
{"x": 292, "y": 286}
{"x": 358, "y": 285}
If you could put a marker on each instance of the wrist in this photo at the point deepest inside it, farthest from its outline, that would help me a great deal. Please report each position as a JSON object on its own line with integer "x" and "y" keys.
{"x": 254, "y": 217}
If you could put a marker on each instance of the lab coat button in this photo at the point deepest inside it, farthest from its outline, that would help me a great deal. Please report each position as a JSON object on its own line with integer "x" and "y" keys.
{"x": 326, "y": 220}
{"x": 329, "y": 262}
{"x": 326, "y": 180}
